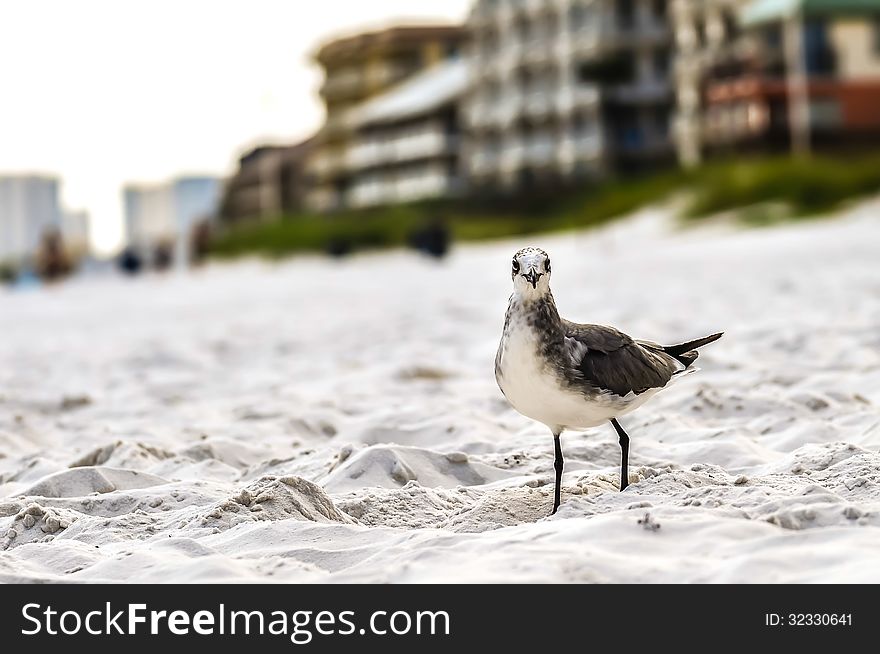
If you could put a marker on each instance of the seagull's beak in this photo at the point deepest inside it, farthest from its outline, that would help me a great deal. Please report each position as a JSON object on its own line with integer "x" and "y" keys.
{"x": 532, "y": 277}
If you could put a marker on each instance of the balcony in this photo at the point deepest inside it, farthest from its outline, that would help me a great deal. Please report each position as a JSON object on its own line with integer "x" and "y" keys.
{"x": 645, "y": 92}
{"x": 541, "y": 151}
{"x": 599, "y": 39}
{"x": 326, "y": 163}
{"x": 539, "y": 51}
{"x": 408, "y": 186}
{"x": 642, "y": 34}
{"x": 539, "y": 103}
{"x": 585, "y": 145}
{"x": 344, "y": 85}
{"x": 394, "y": 149}
{"x": 484, "y": 161}
{"x": 512, "y": 157}
{"x": 641, "y": 142}
{"x": 586, "y": 96}
{"x": 747, "y": 87}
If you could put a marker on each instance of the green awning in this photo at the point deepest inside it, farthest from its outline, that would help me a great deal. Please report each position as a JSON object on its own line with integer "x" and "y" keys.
{"x": 771, "y": 11}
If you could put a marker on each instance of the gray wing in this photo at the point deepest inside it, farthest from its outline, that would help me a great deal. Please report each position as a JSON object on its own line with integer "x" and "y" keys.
{"x": 608, "y": 359}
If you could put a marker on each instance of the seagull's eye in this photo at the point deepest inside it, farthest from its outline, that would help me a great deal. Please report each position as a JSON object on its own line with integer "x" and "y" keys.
{"x": 547, "y": 266}
{"x": 515, "y": 266}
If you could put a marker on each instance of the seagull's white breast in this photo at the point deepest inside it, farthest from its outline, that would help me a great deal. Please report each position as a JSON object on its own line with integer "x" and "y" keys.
{"x": 534, "y": 388}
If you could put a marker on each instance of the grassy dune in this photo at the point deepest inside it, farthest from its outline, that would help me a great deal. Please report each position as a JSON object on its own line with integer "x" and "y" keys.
{"x": 761, "y": 191}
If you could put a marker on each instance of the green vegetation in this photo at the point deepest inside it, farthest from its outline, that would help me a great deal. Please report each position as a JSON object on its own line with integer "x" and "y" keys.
{"x": 306, "y": 232}
{"x": 806, "y": 188}
{"x": 7, "y": 273}
{"x": 760, "y": 191}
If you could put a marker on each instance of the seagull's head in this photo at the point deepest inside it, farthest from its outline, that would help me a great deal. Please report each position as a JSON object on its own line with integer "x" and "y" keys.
{"x": 530, "y": 271}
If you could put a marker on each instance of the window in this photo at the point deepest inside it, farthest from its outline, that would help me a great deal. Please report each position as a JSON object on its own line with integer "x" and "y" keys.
{"x": 662, "y": 119}
{"x": 820, "y": 56}
{"x": 825, "y": 113}
{"x": 580, "y": 17}
{"x": 772, "y": 37}
{"x": 618, "y": 69}
{"x": 626, "y": 13}
{"x": 661, "y": 60}
{"x": 700, "y": 32}
{"x": 731, "y": 25}
{"x": 659, "y": 8}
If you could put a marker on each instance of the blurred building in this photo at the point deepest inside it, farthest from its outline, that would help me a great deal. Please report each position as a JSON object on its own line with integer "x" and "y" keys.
{"x": 75, "y": 233}
{"x": 776, "y": 74}
{"x": 270, "y": 181}
{"x": 29, "y": 209}
{"x": 405, "y": 143}
{"x": 707, "y": 33}
{"x": 163, "y": 216}
{"x": 567, "y": 89}
{"x": 357, "y": 69}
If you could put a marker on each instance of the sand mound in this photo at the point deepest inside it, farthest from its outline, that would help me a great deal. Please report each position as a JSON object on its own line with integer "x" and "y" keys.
{"x": 120, "y": 454}
{"x": 36, "y": 523}
{"x": 410, "y": 507}
{"x": 79, "y": 482}
{"x": 391, "y": 466}
{"x": 504, "y": 507}
{"x": 274, "y": 498}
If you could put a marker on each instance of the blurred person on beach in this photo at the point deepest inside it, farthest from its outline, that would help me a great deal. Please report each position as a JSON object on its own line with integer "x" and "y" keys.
{"x": 7, "y": 274}
{"x": 200, "y": 242}
{"x": 130, "y": 261}
{"x": 432, "y": 238}
{"x": 53, "y": 263}
{"x": 163, "y": 256}
{"x": 338, "y": 247}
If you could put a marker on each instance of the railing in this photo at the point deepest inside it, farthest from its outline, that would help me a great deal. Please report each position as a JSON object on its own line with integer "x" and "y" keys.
{"x": 326, "y": 163}
{"x": 654, "y": 90}
{"x": 396, "y": 188}
{"x": 346, "y": 83}
{"x": 397, "y": 148}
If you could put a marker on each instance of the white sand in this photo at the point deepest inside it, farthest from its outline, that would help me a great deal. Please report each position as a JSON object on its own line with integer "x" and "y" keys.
{"x": 316, "y": 421}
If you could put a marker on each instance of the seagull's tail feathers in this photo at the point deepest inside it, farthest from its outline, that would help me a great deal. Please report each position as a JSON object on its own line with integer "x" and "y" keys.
{"x": 687, "y": 353}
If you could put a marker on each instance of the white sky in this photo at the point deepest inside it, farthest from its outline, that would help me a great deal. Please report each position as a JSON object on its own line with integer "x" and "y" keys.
{"x": 102, "y": 92}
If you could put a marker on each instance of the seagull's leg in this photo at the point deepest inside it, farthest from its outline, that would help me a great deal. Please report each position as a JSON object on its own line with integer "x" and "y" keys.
{"x": 624, "y": 454}
{"x": 557, "y": 464}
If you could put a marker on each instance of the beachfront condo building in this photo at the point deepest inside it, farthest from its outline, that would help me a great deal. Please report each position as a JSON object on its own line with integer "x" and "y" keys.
{"x": 707, "y": 33}
{"x": 269, "y": 183}
{"x": 29, "y": 209}
{"x": 406, "y": 142}
{"x": 357, "y": 69}
{"x": 776, "y": 75}
{"x": 566, "y": 89}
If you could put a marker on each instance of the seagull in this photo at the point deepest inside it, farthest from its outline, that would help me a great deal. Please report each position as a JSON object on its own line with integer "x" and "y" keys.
{"x": 571, "y": 376}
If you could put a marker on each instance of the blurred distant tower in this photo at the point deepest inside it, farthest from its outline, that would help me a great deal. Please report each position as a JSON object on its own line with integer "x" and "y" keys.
{"x": 156, "y": 215}
{"x": 148, "y": 217}
{"x": 776, "y": 75}
{"x": 356, "y": 69}
{"x": 29, "y": 208}
{"x": 567, "y": 89}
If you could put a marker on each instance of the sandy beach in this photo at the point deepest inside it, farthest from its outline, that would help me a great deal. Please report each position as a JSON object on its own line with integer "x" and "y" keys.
{"x": 322, "y": 421}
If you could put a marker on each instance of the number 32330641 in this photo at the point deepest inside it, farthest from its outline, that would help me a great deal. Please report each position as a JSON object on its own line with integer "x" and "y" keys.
{"x": 808, "y": 619}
